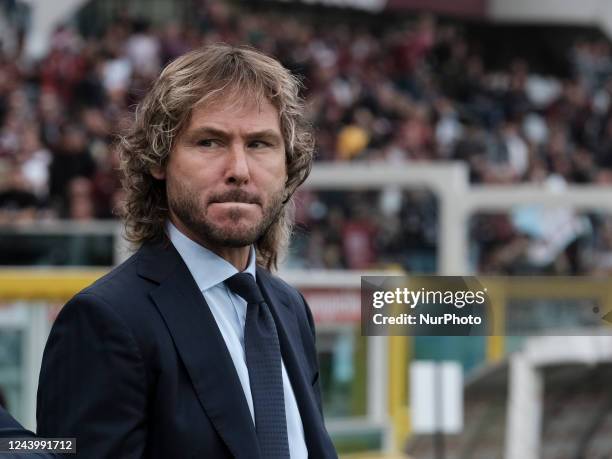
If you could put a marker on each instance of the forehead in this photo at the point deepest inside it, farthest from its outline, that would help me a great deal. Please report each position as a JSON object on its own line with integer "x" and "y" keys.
{"x": 232, "y": 114}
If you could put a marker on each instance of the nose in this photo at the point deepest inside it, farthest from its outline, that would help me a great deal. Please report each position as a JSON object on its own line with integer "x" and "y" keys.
{"x": 237, "y": 171}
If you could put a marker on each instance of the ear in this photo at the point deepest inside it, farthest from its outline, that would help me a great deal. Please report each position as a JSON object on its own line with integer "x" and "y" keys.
{"x": 158, "y": 172}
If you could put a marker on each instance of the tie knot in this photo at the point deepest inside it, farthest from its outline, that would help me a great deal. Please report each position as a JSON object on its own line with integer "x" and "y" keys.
{"x": 244, "y": 285}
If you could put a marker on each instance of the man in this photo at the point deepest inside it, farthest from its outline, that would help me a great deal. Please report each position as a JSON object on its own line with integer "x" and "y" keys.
{"x": 191, "y": 348}
{"x": 11, "y": 429}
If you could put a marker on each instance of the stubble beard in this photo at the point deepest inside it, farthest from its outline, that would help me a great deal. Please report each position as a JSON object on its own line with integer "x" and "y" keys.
{"x": 184, "y": 204}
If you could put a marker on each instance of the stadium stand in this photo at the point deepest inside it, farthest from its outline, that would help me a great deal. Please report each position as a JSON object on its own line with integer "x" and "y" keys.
{"x": 420, "y": 91}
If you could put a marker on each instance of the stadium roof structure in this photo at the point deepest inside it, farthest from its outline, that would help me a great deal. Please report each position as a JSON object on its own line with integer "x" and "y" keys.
{"x": 45, "y": 15}
{"x": 568, "y": 12}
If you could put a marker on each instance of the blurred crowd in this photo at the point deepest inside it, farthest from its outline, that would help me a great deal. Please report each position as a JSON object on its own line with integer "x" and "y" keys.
{"x": 415, "y": 92}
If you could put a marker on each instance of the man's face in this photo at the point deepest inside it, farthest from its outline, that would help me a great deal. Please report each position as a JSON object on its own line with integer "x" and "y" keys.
{"x": 226, "y": 174}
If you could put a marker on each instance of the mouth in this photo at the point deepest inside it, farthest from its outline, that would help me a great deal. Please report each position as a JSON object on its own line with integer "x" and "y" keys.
{"x": 234, "y": 204}
{"x": 237, "y": 197}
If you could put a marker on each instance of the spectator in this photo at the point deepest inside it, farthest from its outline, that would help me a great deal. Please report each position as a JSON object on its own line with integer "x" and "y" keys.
{"x": 17, "y": 201}
{"x": 70, "y": 160}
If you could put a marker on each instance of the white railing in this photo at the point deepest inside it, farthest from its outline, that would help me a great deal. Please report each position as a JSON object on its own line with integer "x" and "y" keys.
{"x": 458, "y": 201}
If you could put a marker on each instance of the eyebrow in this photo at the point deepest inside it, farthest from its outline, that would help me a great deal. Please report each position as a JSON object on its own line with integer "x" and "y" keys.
{"x": 210, "y": 131}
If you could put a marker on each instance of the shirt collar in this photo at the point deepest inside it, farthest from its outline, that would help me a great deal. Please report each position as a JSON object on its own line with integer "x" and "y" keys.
{"x": 207, "y": 268}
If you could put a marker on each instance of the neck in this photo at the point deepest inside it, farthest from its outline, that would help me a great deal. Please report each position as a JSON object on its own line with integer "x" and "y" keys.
{"x": 237, "y": 256}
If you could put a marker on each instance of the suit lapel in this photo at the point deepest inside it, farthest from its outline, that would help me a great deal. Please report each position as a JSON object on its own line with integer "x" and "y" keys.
{"x": 293, "y": 356}
{"x": 202, "y": 350}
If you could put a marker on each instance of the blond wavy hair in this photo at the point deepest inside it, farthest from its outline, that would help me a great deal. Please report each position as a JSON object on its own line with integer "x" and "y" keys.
{"x": 204, "y": 76}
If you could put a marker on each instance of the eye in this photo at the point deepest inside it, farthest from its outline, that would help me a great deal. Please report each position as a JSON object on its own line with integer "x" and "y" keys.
{"x": 259, "y": 144}
{"x": 207, "y": 143}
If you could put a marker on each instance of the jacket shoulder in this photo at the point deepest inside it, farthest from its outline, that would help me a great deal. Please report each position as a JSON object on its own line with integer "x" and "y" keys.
{"x": 120, "y": 301}
{"x": 122, "y": 292}
{"x": 119, "y": 283}
{"x": 294, "y": 298}
{"x": 280, "y": 285}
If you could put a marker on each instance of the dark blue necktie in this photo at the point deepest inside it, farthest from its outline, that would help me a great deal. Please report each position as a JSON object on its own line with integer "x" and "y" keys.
{"x": 263, "y": 359}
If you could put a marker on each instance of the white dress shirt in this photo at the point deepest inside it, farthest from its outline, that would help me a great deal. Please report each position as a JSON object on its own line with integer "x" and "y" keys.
{"x": 229, "y": 310}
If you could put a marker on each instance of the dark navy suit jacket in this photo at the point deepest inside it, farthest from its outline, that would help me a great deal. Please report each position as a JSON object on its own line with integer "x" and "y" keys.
{"x": 10, "y": 428}
{"x": 135, "y": 367}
